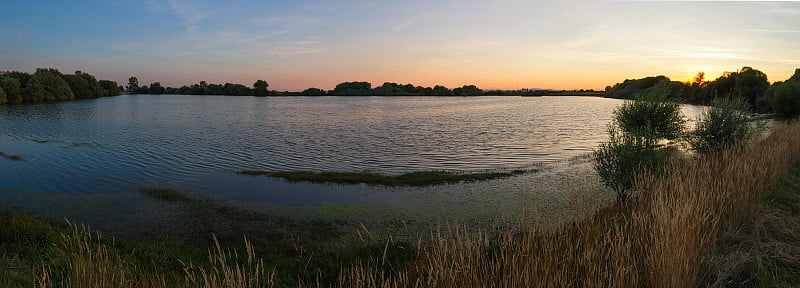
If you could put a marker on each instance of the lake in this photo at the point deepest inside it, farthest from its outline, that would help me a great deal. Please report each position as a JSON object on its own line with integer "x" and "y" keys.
{"x": 197, "y": 144}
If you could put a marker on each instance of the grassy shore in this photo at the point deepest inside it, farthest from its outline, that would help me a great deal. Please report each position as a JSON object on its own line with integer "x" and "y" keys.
{"x": 728, "y": 220}
{"x": 423, "y": 178}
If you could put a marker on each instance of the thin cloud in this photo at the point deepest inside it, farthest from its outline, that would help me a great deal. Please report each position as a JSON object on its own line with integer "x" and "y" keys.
{"x": 772, "y": 30}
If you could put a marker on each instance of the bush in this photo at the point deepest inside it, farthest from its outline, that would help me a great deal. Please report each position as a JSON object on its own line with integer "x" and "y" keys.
{"x": 627, "y": 156}
{"x": 721, "y": 126}
{"x": 785, "y": 101}
{"x": 3, "y": 98}
{"x": 652, "y": 111}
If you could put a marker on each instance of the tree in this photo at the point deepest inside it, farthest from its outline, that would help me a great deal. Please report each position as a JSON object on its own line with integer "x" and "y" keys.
{"x": 95, "y": 90}
{"x": 80, "y": 88}
{"x": 47, "y": 85}
{"x": 625, "y": 158}
{"x": 12, "y": 89}
{"x": 110, "y": 87}
{"x": 261, "y": 88}
{"x": 750, "y": 84}
{"x": 133, "y": 84}
{"x": 156, "y": 88}
{"x": 313, "y": 92}
{"x": 785, "y": 100}
{"x": 441, "y": 91}
{"x": 353, "y": 89}
{"x": 3, "y": 98}
{"x": 471, "y": 90}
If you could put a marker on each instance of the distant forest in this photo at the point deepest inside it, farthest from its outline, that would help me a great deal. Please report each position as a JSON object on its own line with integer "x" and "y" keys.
{"x": 750, "y": 84}
{"x": 261, "y": 88}
{"x": 48, "y": 85}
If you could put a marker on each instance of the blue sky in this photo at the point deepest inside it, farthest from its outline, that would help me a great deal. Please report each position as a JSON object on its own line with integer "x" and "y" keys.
{"x": 494, "y": 44}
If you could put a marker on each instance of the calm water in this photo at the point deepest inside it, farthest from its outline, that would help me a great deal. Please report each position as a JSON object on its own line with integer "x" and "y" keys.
{"x": 198, "y": 142}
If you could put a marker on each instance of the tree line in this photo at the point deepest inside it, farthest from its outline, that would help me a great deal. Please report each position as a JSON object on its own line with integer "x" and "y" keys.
{"x": 49, "y": 85}
{"x": 751, "y": 85}
{"x": 261, "y": 88}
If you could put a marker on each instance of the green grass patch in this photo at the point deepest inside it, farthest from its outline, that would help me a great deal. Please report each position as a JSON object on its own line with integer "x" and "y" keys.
{"x": 11, "y": 157}
{"x": 166, "y": 194}
{"x": 423, "y": 178}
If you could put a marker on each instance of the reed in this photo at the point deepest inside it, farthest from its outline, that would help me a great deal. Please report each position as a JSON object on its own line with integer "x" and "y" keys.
{"x": 658, "y": 241}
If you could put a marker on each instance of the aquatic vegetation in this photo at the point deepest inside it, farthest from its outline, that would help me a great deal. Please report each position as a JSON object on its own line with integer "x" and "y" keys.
{"x": 166, "y": 194}
{"x": 420, "y": 178}
{"x": 12, "y": 157}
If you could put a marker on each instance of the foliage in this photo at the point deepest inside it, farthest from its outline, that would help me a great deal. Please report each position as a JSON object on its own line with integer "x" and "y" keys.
{"x": 3, "y": 98}
{"x": 785, "y": 99}
{"x": 94, "y": 87}
{"x": 80, "y": 88}
{"x": 630, "y": 87}
{"x": 749, "y": 83}
{"x": 156, "y": 88}
{"x": 313, "y": 92}
{"x": 353, "y": 89}
{"x": 47, "y": 85}
{"x": 721, "y": 126}
{"x": 261, "y": 88}
{"x": 110, "y": 87}
{"x": 468, "y": 90}
{"x": 231, "y": 89}
{"x": 12, "y": 89}
{"x": 652, "y": 111}
{"x": 626, "y": 157}
{"x": 133, "y": 84}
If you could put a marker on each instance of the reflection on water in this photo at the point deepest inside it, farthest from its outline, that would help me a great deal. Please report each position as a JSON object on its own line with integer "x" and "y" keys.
{"x": 115, "y": 144}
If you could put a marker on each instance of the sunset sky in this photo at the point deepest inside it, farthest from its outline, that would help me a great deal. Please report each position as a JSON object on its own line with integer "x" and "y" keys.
{"x": 299, "y": 44}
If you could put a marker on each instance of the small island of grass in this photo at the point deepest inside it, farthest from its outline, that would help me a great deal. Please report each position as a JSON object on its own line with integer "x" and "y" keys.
{"x": 422, "y": 178}
{"x": 11, "y": 157}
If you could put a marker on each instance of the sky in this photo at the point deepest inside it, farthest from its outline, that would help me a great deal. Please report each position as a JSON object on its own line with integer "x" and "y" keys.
{"x": 494, "y": 44}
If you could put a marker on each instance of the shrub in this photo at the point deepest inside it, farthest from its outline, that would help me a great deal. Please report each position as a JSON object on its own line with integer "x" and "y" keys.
{"x": 625, "y": 157}
{"x": 652, "y": 111}
{"x": 785, "y": 101}
{"x": 721, "y": 126}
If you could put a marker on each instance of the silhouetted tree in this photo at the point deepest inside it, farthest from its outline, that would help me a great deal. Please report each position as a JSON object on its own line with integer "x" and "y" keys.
{"x": 156, "y": 88}
{"x": 750, "y": 84}
{"x": 133, "y": 84}
{"x": 441, "y": 91}
{"x": 261, "y": 88}
{"x": 353, "y": 89}
{"x": 231, "y": 89}
{"x": 470, "y": 90}
{"x": 313, "y": 92}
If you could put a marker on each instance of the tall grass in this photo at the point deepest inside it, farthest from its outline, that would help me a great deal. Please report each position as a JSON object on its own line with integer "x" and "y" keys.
{"x": 660, "y": 241}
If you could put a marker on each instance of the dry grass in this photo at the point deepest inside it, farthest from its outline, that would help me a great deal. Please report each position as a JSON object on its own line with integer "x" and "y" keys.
{"x": 659, "y": 241}
{"x": 91, "y": 262}
{"x": 227, "y": 271}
